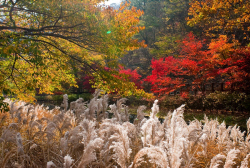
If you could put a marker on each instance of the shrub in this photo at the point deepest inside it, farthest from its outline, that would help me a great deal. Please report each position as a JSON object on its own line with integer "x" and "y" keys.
{"x": 228, "y": 101}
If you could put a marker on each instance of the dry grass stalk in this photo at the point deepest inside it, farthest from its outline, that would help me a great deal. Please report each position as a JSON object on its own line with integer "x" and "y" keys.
{"x": 33, "y": 136}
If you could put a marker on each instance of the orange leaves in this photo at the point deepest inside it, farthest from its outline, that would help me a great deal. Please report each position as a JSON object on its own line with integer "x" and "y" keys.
{"x": 221, "y": 49}
{"x": 221, "y": 17}
{"x": 126, "y": 21}
{"x": 122, "y": 25}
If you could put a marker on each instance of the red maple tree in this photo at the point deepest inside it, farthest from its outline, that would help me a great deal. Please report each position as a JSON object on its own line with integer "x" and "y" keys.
{"x": 199, "y": 63}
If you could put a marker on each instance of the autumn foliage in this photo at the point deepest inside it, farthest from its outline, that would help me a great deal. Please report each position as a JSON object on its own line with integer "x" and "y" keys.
{"x": 228, "y": 17}
{"x": 44, "y": 43}
{"x": 202, "y": 62}
{"x": 119, "y": 81}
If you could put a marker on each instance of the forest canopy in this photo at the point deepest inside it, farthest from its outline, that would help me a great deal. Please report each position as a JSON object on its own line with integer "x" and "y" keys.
{"x": 42, "y": 43}
{"x": 50, "y": 44}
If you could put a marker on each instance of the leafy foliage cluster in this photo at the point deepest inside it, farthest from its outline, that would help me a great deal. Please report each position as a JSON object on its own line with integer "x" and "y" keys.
{"x": 195, "y": 42}
{"x": 47, "y": 45}
{"x": 195, "y": 67}
{"x": 44, "y": 43}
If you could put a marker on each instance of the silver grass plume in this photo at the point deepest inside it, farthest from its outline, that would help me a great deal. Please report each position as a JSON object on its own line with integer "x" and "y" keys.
{"x": 50, "y": 164}
{"x": 99, "y": 108}
{"x": 74, "y": 104}
{"x": 151, "y": 132}
{"x": 67, "y": 161}
{"x": 88, "y": 131}
{"x": 120, "y": 146}
{"x": 155, "y": 109}
{"x": 218, "y": 161}
{"x": 70, "y": 118}
{"x": 8, "y": 135}
{"x": 248, "y": 125}
{"x": 19, "y": 143}
{"x": 119, "y": 110}
{"x": 177, "y": 139}
{"x": 91, "y": 142}
{"x": 89, "y": 113}
{"x": 89, "y": 153}
{"x": 167, "y": 125}
{"x": 246, "y": 162}
{"x": 50, "y": 130}
{"x": 74, "y": 141}
{"x": 78, "y": 107}
{"x": 33, "y": 146}
{"x": 37, "y": 109}
{"x": 97, "y": 93}
{"x": 237, "y": 136}
{"x": 194, "y": 125}
{"x": 167, "y": 120}
{"x": 13, "y": 126}
{"x": 65, "y": 103}
{"x": 13, "y": 108}
{"x": 120, "y": 104}
{"x": 140, "y": 113}
{"x": 247, "y": 142}
{"x": 19, "y": 116}
{"x": 154, "y": 153}
{"x": 113, "y": 109}
{"x": 105, "y": 105}
{"x": 74, "y": 135}
{"x": 58, "y": 118}
{"x": 125, "y": 114}
{"x": 231, "y": 158}
{"x": 66, "y": 124}
{"x": 64, "y": 142}
{"x": 102, "y": 107}
{"x": 195, "y": 134}
{"x": 140, "y": 116}
{"x": 180, "y": 156}
{"x": 210, "y": 126}
{"x": 223, "y": 138}
{"x": 33, "y": 124}
{"x": 130, "y": 128}
{"x": 108, "y": 127}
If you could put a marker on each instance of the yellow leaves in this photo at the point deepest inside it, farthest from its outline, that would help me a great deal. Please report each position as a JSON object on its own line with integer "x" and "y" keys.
{"x": 219, "y": 16}
{"x": 123, "y": 25}
{"x": 119, "y": 85}
{"x": 47, "y": 45}
{"x": 26, "y": 77}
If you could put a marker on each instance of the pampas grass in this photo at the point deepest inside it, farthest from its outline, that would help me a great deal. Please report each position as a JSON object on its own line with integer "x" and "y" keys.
{"x": 82, "y": 136}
